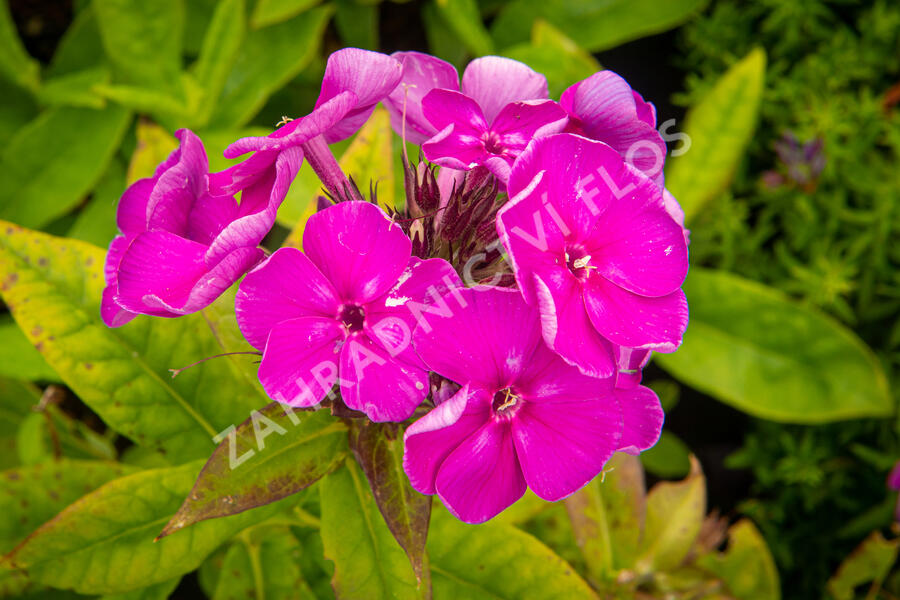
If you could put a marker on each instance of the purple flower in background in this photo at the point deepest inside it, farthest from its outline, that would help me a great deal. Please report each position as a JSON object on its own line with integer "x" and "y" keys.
{"x": 346, "y": 307}
{"x": 491, "y": 82}
{"x": 605, "y": 108}
{"x": 592, "y": 245}
{"x": 893, "y": 483}
{"x": 467, "y": 139}
{"x": 182, "y": 243}
{"x": 523, "y": 416}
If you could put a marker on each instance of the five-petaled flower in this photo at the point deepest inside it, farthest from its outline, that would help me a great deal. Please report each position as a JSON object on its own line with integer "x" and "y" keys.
{"x": 592, "y": 245}
{"x": 343, "y": 312}
{"x": 523, "y": 416}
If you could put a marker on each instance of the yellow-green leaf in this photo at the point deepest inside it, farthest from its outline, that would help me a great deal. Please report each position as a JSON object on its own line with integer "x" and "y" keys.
{"x": 719, "y": 127}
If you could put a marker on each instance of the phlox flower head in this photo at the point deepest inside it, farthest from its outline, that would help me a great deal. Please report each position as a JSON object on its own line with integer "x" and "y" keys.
{"x": 593, "y": 247}
{"x": 183, "y": 238}
{"x": 487, "y": 121}
{"x": 523, "y": 417}
{"x": 343, "y": 311}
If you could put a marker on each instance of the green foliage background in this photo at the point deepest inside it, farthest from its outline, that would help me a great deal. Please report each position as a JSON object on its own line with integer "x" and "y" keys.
{"x": 794, "y": 294}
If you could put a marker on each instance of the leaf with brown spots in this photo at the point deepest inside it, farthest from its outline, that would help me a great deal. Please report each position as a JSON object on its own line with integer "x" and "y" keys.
{"x": 273, "y": 454}
{"x": 123, "y": 373}
{"x": 378, "y": 449}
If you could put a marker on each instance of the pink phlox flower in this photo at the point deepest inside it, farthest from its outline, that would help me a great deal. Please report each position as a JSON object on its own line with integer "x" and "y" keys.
{"x": 523, "y": 417}
{"x": 593, "y": 247}
{"x": 343, "y": 312}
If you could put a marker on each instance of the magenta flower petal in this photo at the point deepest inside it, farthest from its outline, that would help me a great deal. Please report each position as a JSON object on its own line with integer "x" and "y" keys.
{"x": 166, "y": 275}
{"x": 131, "y": 213}
{"x": 482, "y": 476}
{"x": 326, "y": 116}
{"x": 605, "y": 108}
{"x": 562, "y": 445}
{"x": 637, "y": 321}
{"x": 177, "y": 188}
{"x": 357, "y": 248}
{"x": 494, "y": 81}
{"x": 431, "y": 439}
{"x": 469, "y": 343}
{"x": 299, "y": 364}
{"x": 519, "y": 122}
{"x": 370, "y": 76}
{"x": 443, "y": 108}
{"x": 567, "y": 327}
{"x": 110, "y": 311}
{"x": 893, "y": 480}
{"x": 639, "y": 247}
{"x": 286, "y": 286}
{"x": 374, "y": 382}
{"x": 643, "y": 416}
{"x": 391, "y": 318}
{"x": 629, "y": 362}
{"x": 421, "y": 74}
{"x": 259, "y": 205}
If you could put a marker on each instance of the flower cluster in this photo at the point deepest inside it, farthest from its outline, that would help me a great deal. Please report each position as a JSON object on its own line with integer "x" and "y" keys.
{"x": 508, "y": 308}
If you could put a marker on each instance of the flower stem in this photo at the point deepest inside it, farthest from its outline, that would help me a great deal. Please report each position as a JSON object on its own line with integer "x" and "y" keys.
{"x": 322, "y": 161}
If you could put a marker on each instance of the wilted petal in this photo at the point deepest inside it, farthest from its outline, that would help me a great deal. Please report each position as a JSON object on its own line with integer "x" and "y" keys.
{"x": 483, "y": 335}
{"x": 482, "y": 476}
{"x": 429, "y": 441}
{"x": 374, "y": 382}
{"x": 566, "y": 325}
{"x": 421, "y": 74}
{"x": 357, "y": 248}
{"x": 563, "y": 445}
{"x": 494, "y": 81}
{"x": 286, "y": 286}
{"x": 300, "y": 363}
{"x": 643, "y": 416}
{"x": 636, "y": 321}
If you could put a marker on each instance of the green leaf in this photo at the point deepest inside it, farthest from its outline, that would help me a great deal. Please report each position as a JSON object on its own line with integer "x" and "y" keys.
{"x": 870, "y": 562}
{"x": 53, "y": 286}
{"x": 670, "y": 458}
{"x": 104, "y": 542}
{"x": 595, "y": 25}
{"x": 753, "y": 348}
{"x": 357, "y": 23}
{"x": 441, "y": 39}
{"x": 96, "y": 223}
{"x": 268, "y": 59}
{"x": 747, "y": 566}
{"x": 675, "y": 512}
{"x": 492, "y": 560}
{"x": 271, "y": 12}
{"x": 15, "y": 63}
{"x": 720, "y": 127}
{"x": 607, "y": 518}
{"x": 463, "y": 19}
{"x": 18, "y": 107}
{"x": 219, "y": 51}
{"x": 75, "y": 89}
{"x": 556, "y": 56}
{"x": 80, "y": 48}
{"x": 32, "y": 495}
{"x": 378, "y": 449}
{"x": 49, "y": 434}
{"x": 143, "y": 40}
{"x": 75, "y": 145}
{"x": 167, "y": 107}
{"x": 275, "y": 453}
{"x": 368, "y": 562}
{"x": 18, "y": 358}
{"x": 157, "y": 591}
{"x": 263, "y": 562}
